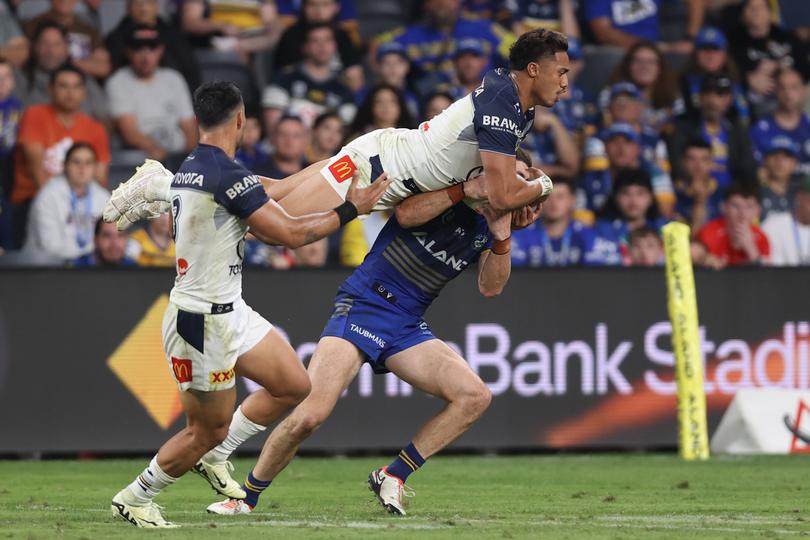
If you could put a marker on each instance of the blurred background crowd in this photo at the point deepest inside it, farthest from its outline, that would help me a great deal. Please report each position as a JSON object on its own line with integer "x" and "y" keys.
{"x": 689, "y": 110}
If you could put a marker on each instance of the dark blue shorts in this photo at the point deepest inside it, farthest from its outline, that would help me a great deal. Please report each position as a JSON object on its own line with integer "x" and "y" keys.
{"x": 374, "y": 324}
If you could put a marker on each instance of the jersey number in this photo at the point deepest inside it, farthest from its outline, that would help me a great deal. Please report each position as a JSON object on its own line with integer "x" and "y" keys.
{"x": 175, "y": 215}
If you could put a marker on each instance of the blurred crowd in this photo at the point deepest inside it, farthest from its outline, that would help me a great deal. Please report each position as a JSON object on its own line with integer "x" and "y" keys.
{"x": 688, "y": 110}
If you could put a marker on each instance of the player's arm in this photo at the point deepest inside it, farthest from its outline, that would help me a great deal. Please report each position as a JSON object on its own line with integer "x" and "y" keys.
{"x": 272, "y": 225}
{"x": 419, "y": 209}
{"x": 496, "y": 263}
{"x": 505, "y": 190}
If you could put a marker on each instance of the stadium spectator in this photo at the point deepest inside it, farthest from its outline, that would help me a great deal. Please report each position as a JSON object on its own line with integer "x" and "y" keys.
{"x": 645, "y": 66}
{"x": 328, "y": 133}
{"x": 646, "y": 247}
{"x": 46, "y": 132}
{"x": 780, "y": 165}
{"x": 760, "y": 48}
{"x": 289, "y": 140}
{"x": 64, "y": 212}
{"x": 312, "y": 255}
{"x": 317, "y": 12}
{"x": 576, "y": 108}
{"x": 179, "y": 56}
{"x": 13, "y": 44}
{"x": 392, "y": 68}
{"x": 384, "y": 107}
{"x": 310, "y": 87}
{"x": 242, "y": 27}
{"x": 152, "y": 245}
{"x": 731, "y": 148}
{"x": 710, "y": 57}
{"x": 698, "y": 196}
{"x": 628, "y": 106}
{"x": 556, "y": 15}
{"x": 432, "y": 43}
{"x": 290, "y": 11}
{"x": 623, "y": 23}
{"x": 732, "y": 237}
{"x": 435, "y": 103}
{"x": 789, "y": 232}
{"x": 552, "y": 146}
{"x": 151, "y": 105}
{"x": 469, "y": 62}
{"x": 622, "y": 146}
{"x": 557, "y": 240}
{"x": 788, "y": 120}
{"x": 631, "y": 206}
{"x": 50, "y": 52}
{"x": 109, "y": 247}
{"x": 10, "y": 111}
{"x": 493, "y": 10}
{"x": 86, "y": 47}
{"x": 253, "y": 153}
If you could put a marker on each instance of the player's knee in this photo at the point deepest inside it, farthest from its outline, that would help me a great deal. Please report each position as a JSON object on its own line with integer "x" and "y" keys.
{"x": 209, "y": 436}
{"x": 301, "y": 390}
{"x": 305, "y": 423}
{"x": 475, "y": 399}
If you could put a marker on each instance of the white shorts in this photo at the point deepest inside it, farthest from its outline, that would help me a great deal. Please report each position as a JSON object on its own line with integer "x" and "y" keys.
{"x": 363, "y": 155}
{"x": 202, "y": 349}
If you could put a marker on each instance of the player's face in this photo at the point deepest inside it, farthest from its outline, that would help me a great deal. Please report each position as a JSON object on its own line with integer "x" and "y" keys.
{"x": 622, "y": 152}
{"x": 780, "y": 165}
{"x": 634, "y": 201}
{"x": 80, "y": 169}
{"x": 550, "y": 79}
{"x": 67, "y": 92}
{"x": 559, "y": 204}
{"x": 51, "y": 49}
{"x": 646, "y": 251}
{"x": 697, "y": 163}
{"x": 790, "y": 91}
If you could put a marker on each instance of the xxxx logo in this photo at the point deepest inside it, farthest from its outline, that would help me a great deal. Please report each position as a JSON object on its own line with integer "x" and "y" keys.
{"x": 343, "y": 169}
{"x": 220, "y": 377}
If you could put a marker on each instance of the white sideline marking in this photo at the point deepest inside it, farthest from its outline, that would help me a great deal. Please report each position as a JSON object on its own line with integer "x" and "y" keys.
{"x": 321, "y": 524}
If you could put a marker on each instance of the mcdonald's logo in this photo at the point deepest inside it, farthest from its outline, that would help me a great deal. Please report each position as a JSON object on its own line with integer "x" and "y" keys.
{"x": 181, "y": 369}
{"x": 343, "y": 169}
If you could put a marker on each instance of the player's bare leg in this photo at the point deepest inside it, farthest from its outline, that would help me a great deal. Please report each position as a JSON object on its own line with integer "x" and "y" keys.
{"x": 274, "y": 365}
{"x": 313, "y": 193}
{"x": 434, "y": 368}
{"x": 333, "y": 366}
{"x": 207, "y": 417}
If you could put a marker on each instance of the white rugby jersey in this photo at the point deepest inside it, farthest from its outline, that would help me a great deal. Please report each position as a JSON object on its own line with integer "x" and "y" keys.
{"x": 211, "y": 196}
{"x": 445, "y": 150}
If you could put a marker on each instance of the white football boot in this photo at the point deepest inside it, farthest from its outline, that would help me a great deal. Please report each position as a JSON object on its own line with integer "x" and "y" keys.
{"x": 219, "y": 476}
{"x": 150, "y": 183}
{"x": 146, "y": 517}
{"x": 389, "y": 490}
{"x": 230, "y": 507}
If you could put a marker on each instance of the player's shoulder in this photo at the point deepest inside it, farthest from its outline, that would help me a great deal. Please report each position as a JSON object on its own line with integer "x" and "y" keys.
{"x": 498, "y": 93}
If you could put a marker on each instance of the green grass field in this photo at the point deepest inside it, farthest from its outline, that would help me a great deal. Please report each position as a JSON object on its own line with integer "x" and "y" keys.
{"x": 576, "y": 497}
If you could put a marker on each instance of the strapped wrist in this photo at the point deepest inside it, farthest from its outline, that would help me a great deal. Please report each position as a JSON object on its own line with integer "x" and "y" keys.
{"x": 456, "y": 193}
{"x": 346, "y": 212}
{"x": 501, "y": 247}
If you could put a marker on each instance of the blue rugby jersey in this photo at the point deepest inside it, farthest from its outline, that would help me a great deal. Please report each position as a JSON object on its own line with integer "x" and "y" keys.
{"x": 413, "y": 265}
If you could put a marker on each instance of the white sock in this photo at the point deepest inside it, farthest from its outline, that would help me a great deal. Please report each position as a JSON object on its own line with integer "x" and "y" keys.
{"x": 240, "y": 430}
{"x": 149, "y": 483}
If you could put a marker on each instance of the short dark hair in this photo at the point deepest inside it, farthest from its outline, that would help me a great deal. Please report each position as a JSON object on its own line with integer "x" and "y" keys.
{"x": 326, "y": 116}
{"x": 746, "y": 191}
{"x": 524, "y": 156}
{"x": 570, "y": 183}
{"x": 697, "y": 143}
{"x": 535, "y": 45}
{"x": 785, "y": 70}
{"x": 67, "y": 67}
{"x": 318, "y": 26}
{"x": 215, "y": 102}
{"x": 643, "y": 232}
{"x": 79, "y": 146}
